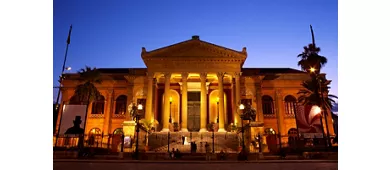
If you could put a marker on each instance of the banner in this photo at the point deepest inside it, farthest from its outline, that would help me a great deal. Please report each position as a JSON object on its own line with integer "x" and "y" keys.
{"x": 308, "y": 119}
{"x": 72, "y": 119}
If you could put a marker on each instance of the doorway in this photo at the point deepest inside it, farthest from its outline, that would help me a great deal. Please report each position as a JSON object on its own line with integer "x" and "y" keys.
{"x": 193, "y": 108}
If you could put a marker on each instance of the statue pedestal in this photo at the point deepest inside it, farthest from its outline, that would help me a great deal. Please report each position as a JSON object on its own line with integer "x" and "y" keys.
{"x": 129, "y": 128}
{"x": 129, "y": 132}
{"x": 258, "y": 128}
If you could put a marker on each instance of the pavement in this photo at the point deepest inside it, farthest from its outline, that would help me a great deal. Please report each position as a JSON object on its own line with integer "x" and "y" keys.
{"x": 75, "y": 164}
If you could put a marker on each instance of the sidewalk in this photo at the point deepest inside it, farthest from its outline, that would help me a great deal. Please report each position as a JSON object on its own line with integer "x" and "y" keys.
{"x": 191, "y": 162}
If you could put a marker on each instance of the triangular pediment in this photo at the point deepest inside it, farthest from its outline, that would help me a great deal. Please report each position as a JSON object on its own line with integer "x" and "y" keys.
{"x": 194, "y": 48}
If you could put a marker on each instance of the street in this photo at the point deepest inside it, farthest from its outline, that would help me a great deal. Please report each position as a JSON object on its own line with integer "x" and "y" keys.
{"x": 195, "y": 165}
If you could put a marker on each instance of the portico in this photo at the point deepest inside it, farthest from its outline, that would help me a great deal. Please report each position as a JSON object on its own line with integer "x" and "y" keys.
{"x": 193, "y": 66}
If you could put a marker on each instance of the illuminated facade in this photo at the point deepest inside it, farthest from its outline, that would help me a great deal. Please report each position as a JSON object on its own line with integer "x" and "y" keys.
{"x": 191, "y": 75}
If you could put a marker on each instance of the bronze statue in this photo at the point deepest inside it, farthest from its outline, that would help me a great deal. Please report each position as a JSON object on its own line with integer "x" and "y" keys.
{"x": 76, "y": 129}
{"x": 249, "y": 112}
{"x": 133, "y": 111}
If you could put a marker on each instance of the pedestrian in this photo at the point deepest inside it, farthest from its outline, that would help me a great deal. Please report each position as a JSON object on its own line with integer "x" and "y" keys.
{"x": 183, "y": 139}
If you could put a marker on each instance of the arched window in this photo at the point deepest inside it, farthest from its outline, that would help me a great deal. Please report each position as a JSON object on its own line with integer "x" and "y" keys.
{"x": 121, "y": 104}
{"x": 94, "y": 132}
{"x": 94, "y": 136}
{"x": 290, "y": 105}
{"x": 118, "y": 131}
{"x": 98, "y": 105}
{"x": 268, "y": 105}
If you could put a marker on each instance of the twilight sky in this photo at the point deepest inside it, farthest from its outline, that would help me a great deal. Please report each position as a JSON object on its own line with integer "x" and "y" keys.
{"x": 110, "y": 34}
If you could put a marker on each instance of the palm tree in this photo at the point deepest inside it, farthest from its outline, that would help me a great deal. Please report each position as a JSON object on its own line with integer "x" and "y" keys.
{"x": 148, "y": 125}
{"x": 310, "y": 57}
{"x": 310, "y": 95}
{"x": 86, "y": 92}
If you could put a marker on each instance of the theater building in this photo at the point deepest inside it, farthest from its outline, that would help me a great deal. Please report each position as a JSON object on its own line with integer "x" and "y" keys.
{"x": 189, "y": 85}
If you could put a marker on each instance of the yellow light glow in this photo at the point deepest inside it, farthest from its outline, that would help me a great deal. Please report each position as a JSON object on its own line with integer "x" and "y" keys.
{"x": 312, "y": 69}
{"x": 242, "y": 107}
{"x": 140, "y": 107}
{"x": 170, "y": 99}
{"x": 217, "y": 99}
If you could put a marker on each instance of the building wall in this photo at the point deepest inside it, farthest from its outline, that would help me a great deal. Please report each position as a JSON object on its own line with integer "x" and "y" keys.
{"x": 110, "y": 89}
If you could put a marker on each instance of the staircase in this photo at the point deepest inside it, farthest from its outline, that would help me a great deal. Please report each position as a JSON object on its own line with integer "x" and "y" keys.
{"x": 158, "y": 141}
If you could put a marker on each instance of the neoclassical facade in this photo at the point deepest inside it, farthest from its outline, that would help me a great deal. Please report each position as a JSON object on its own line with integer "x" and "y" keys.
{"x": 192, "y": 84}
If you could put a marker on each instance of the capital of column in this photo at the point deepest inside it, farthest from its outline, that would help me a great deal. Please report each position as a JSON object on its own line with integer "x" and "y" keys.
{"x": 278, "y": 92}
{"x": 203, "y": 76}
{"x": 167, "y": 75}
{"x": 150, "y": 75}
{"x": 110, "y": 93}
{"x": 184, "y": 76}
{"x": 237, "y": 74}
{"x": 220, "y": 75}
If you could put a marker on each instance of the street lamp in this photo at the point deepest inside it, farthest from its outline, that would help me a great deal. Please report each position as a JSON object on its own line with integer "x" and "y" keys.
{"x": 217, "y": 109}
{"x": 170, "y": 109}
{"x": 242, "y": 107}
{"x": 140, "y": 107}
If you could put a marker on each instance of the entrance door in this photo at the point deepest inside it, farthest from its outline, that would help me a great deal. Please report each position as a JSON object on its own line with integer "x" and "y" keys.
{"x": 193, "y": 116}
{"x": 193, "y": 111}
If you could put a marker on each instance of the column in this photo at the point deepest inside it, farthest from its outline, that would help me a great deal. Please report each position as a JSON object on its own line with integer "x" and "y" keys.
{"x": 203, "y": 102}
{"x": 149, "y": 98}
{"x": 107, "y": 114}
{"x": 165, "y": 118}
{"x": 238, "y": 98}
{"x": 279, "y": 111}
{"x": 259, "y": 95}
{"x": 221, "y": 124}
{"x": 130, "y": 87}
{"x": 184, "y": 118}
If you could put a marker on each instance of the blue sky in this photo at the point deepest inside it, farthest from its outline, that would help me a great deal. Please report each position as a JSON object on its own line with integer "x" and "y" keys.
{"x": 110, "y": 34}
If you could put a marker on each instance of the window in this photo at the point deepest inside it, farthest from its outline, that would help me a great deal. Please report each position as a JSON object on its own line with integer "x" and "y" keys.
{"x": 98, "y": 105}
{"x": 121, "y": 105}
{"x": 268, "y": 105}
{"x": 118, "y": 131}
{"x": 290, "y": 105}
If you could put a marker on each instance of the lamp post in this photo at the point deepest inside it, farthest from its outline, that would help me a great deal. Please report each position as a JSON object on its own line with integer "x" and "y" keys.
{"x": 242, "y": 107}
{"x": 213, "y": 137}
{"x": 217, "y": 110}
{"x": 170, "y": 109}
{"x": 140, "y": 107}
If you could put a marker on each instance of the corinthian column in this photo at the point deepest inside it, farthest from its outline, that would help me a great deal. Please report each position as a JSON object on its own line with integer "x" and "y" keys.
{"x": 184, "y": 77}
{"x": 149, "y": 98}
{"x": 167, "y": 77}
{"x": 221, "y": 116}
{"x": 237, "y": 76}
{"x": 279, "y": 111}
{"x": 259, "y": 95}
{"x": 203, "y": 102}
{"x": 108, "y": 112}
